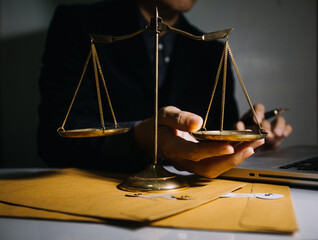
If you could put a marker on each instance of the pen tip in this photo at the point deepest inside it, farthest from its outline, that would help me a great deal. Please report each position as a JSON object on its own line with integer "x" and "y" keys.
{"x": 282, "y": 110}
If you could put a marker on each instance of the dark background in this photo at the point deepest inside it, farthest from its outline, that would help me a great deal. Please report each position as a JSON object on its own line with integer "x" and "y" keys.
{"x": 274, "y": 44}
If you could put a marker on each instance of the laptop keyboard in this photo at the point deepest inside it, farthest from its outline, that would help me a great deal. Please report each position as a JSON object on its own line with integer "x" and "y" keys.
{"x": 310, "y": 164}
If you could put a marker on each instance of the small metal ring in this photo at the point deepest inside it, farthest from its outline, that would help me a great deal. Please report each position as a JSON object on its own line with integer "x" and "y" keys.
{"x": 60, "y": 129}
{"x": 262, "y": 130}
{"x": 185, "y": 197}
{"x": 204, "y": 130}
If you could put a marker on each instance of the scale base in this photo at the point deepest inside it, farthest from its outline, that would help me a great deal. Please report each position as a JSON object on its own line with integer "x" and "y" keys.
{"x": 155, "y": 178}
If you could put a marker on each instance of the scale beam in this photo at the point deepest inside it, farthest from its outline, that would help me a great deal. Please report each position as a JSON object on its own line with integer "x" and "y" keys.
{"x": 155, "y": 177}
{"x": 162, "y": 27}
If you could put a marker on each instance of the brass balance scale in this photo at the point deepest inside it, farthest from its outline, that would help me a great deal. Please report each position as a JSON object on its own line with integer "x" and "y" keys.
{"x": 155, "y": 177}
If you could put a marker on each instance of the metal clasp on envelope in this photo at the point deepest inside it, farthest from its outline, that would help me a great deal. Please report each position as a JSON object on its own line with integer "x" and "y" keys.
{"x": 255, "y": 195}
{"x": 168, "y": 196}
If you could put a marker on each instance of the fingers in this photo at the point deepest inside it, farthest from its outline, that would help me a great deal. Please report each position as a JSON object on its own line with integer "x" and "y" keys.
{"x": 181, "y": 120}
{"x": 280, "y": 128}
{"x": 288, "y": 130}
{"x": 176, "y": 148}
{"x": 213, "y": 167}
{"x": 249, "y": 119}
{"x": 260, "y": 112}
{"x": 240, "y": 126}
{"x": 206, "y": 158}
{"x": 268, "y": 128}
{"x": 277, "y": 130}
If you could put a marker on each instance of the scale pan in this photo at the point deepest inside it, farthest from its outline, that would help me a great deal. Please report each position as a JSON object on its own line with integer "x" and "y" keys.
{"x": 229, "y": 135}
{"x": 91, "y": 132}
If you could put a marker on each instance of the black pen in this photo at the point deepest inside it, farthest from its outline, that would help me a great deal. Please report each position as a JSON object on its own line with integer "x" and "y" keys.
{"x": 248, "y": 119}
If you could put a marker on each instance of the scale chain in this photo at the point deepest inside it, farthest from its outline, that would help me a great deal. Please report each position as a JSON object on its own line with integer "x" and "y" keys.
{"x": 226, "y": 51}
{"x": 97, "y": 69}
{"x": 244, "y": 88}
{"x": 214, "y": 89}
{"x": 224, "y": 84}
{"x": 76, "y": 91}
{"x": 105, "y": 87}
{"x": 97, "y": 87}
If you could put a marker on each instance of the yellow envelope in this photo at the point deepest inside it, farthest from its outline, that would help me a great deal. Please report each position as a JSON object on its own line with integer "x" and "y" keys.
{"x": 241, "y": 214}
{"x": 226, "y": 214}
{"x": 18, "y": 211}
{"x": 88, "y": 194}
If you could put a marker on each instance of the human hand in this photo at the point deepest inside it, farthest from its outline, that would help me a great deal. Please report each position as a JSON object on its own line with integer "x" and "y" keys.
{"x": 175, "y": 143}
{"x": 277, "y": 130}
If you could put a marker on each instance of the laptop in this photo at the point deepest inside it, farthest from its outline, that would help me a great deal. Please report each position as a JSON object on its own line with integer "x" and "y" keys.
{"x": 295, "y": 165}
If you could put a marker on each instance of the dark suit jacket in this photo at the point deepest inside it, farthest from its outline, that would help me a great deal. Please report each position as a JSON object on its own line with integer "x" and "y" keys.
{"x": 129, "y": 78}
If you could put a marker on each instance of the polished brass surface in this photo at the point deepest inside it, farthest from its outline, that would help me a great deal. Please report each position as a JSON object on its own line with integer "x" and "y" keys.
{"x": 205, "y": 37}
{"x": 229, "y": 135}
{"x": 154, "y": 179}
{"x": 91, "y": 132}
{"x": 157, "y": 25}
{"x": 157, "y": 32}
{"x": 99, "y": 38}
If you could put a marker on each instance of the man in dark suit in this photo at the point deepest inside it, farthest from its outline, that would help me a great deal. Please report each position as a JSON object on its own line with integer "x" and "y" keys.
{"x": 187, "y": 72}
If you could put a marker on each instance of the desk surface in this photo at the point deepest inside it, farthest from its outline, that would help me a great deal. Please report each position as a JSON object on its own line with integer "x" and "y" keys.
{"x": 305, "y": 203}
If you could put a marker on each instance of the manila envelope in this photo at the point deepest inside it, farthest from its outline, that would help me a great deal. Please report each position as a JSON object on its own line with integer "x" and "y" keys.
{"x": 226, "y": 214}
{"x": 241, "y": 214}
{"x": 87, "y": 194}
